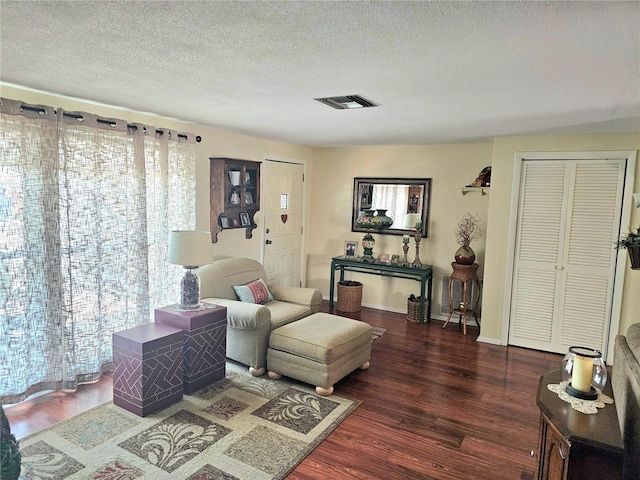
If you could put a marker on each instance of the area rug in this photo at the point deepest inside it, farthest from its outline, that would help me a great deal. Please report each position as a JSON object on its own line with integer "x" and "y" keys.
{"x": 241, "y": 427}
{"x": 377, "y": 333}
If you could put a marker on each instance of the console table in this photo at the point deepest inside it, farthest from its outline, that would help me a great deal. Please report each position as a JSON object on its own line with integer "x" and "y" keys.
{"x": 420, "y": 274}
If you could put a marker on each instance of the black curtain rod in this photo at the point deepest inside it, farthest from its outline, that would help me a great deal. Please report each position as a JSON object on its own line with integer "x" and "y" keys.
{"x": 42, "y": 111}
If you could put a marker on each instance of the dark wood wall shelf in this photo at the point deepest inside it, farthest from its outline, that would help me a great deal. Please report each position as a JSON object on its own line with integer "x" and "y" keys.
{"x": 234, "y": 194}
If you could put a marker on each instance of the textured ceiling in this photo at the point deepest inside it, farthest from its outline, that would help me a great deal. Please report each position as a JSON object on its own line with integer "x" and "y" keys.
{"x": 442, "y": 71}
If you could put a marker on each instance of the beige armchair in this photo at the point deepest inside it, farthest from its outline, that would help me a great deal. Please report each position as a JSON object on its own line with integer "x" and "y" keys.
{"x": 249, "y": 325}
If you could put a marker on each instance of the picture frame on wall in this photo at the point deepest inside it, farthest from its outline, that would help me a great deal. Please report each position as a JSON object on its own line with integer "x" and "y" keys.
{"x": 351, "y": 249}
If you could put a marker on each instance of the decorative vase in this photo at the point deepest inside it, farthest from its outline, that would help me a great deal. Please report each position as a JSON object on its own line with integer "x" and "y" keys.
{"x": 465, "y": 255}
{"x": 367, "y": 245}
{"x": 382, "y": 219}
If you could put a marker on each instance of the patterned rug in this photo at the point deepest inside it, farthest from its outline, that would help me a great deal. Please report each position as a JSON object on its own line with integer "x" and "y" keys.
{"x": 377, "y": 333}
{"x": 241, "y": 427}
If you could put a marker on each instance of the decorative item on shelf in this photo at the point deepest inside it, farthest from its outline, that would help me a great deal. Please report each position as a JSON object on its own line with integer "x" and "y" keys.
{"x": 417, "y": 236}
{"x": 468, "y": 229}
{"x": 405, "y": 250}
{"x": 483, "y": 179}
{"x": 586, "y": 372}
{"x": 370, "y": 221}
{"x": 631, "y": 242}
{"x": 190, "y": 249}
{"x": 412, "y": 221}
{"x": 234, "y": 177}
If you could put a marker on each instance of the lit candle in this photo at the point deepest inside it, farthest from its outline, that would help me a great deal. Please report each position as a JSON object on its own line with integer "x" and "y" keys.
{"x": 582, "y": 373}
{"x": 405, "y": 238}
{"x": 418, "y": 224}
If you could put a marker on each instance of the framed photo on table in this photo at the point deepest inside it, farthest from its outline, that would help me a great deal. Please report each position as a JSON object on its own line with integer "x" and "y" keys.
{"x": 384, "y": 258}
{"x": 350, "y": 249}
{"x": 244, "y": 219}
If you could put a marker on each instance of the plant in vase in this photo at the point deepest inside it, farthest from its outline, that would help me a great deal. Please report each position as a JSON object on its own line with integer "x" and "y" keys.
{"x": 468, "y": 229}
{"x": 631, "y": 242}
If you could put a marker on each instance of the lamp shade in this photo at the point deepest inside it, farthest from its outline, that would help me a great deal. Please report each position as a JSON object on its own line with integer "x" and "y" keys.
{"x": 410, "y": 219}
{"x": 190, "y": 248}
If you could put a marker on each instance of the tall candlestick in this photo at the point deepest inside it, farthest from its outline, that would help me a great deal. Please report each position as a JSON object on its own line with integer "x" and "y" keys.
{"x": 417, "y": 262}
{"x": 405, "y": 239}
{"x": 405, "y": 249}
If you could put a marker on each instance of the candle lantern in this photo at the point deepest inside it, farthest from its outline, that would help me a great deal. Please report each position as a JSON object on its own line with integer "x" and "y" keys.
{"x": 586, "y": 372}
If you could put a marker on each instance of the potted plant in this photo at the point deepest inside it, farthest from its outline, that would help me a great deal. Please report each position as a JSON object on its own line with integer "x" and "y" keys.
{"x": 631, "y": 242}
{"x": 468, "y": 229}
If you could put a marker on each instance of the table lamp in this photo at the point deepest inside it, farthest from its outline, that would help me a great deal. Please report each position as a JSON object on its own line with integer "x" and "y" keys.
{"x": 190, "y": 249}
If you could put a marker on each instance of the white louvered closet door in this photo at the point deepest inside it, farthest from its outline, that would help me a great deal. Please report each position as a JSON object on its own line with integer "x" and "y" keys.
{"x": 568, "y": 221}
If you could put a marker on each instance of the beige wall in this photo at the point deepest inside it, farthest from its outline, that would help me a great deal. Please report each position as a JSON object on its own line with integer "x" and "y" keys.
{"x": 329, "y": 180}
{"x": 504, "y": 153}
{"x": 450, "y": 166}
{"x": 215, "y": 142}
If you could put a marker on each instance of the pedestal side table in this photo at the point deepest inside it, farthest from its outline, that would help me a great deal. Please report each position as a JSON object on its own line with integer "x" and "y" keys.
{"x": 205, "y": 342}
{"x": 466, "y": 274}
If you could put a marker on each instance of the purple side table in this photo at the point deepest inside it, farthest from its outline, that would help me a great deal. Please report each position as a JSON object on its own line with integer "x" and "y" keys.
{"x": 147, "y": 362}
{"x": 205, "y": 342}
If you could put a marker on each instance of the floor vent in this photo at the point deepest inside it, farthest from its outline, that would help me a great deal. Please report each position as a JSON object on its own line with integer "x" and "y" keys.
{"x": 457, "y": 295}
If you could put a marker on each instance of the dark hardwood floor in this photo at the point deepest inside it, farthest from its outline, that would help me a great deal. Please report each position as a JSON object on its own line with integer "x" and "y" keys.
{"x": 435, "y": 405}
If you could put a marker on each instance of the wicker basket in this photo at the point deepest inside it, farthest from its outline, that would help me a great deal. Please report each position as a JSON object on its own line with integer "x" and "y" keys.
{"x": 413, "y": 310}
{"x": 349, "y": 296}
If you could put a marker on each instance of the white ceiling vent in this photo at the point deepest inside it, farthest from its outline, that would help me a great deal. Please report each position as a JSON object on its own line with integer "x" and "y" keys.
{"x": 347, "y": 102}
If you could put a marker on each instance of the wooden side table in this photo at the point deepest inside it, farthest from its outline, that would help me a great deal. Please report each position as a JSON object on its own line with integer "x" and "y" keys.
{"x": 574, "y": 445}
{"x": 466, "y": 274}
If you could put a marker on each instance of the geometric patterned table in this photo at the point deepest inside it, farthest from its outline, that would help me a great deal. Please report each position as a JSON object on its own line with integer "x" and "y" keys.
{"x": 147, "y": 362}
{"x": 205, "y": 341}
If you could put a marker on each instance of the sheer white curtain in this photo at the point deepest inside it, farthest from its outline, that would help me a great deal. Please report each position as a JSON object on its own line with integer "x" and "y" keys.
{"x": 393, "y": 198}
{"x": 85, "y": 209}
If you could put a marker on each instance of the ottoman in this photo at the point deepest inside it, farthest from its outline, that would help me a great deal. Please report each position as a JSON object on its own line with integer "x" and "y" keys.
{"x": 319, "y": 349}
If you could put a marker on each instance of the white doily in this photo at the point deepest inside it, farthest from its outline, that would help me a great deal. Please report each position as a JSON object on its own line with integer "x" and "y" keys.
{"x": 584, "y": 406}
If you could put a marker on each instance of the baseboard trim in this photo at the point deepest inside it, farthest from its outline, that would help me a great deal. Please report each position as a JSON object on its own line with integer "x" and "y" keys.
{"x": 491, "y": 341}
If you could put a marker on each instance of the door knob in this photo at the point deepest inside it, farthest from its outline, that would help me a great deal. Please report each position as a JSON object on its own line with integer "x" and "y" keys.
{"x": 269, "y": 242}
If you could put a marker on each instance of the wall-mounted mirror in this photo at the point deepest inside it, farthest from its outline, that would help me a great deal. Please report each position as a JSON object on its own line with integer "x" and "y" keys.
{"x": 398, "y": 196}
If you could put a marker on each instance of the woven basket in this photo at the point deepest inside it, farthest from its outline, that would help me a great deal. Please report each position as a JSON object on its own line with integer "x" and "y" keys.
{"x": 413, "y": 311}
{"x": 349, "y": 296}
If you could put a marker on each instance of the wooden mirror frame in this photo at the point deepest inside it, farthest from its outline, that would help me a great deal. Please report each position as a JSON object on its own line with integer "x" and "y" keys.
{"x": 425, "y": 201}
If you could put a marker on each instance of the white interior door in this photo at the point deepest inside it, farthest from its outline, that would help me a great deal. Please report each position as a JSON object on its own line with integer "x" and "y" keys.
{"x": 282, "y": 200}
{"x": 564, "y": 267}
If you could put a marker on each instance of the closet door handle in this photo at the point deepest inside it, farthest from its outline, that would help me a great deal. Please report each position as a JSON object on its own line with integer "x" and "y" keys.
{"x": 559, "y": 267}
{"x": 560, "y": 452}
